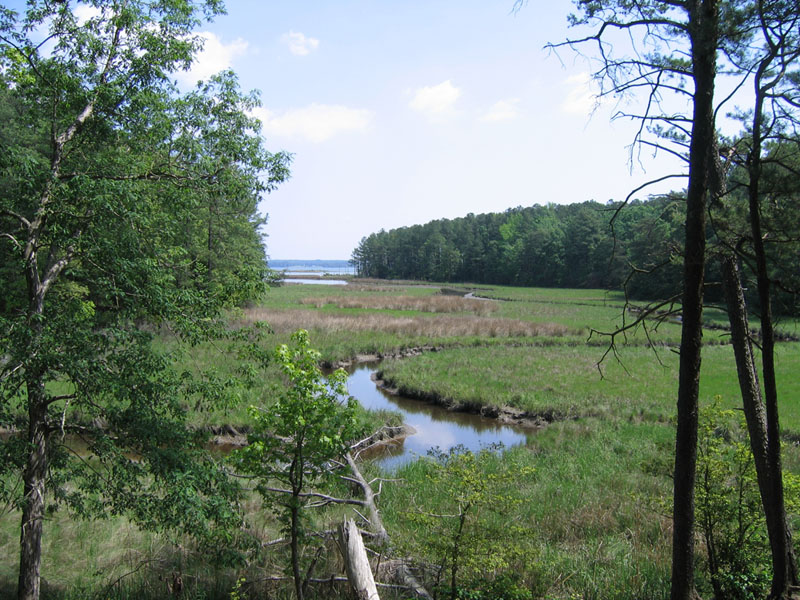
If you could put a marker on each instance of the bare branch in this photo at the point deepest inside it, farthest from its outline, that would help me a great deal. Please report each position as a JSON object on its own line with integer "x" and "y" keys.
{"x": 326, "y": 498}
{"x": 10, "y": 213}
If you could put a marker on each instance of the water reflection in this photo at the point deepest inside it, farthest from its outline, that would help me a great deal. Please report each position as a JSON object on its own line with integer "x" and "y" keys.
{"x": 434, "y": 425}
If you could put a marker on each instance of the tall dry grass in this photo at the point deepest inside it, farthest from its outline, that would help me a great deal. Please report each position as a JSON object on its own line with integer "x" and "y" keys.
{"x": 430, "y": 304}
{"x": 437, "y": 326}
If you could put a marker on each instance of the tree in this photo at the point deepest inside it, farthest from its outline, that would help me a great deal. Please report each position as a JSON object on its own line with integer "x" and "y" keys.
{"x": 674, "y": 52}
{"x": 222, "y": 234}
{"x": 467, "y": 529}
{"x": 773, "y": 107}
{"x": 98, "y": 175}
{"x": 295, "y": 440}
{"x": 705, "y": 39}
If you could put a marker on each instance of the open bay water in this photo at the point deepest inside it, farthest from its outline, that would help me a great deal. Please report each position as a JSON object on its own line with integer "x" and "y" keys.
{"x": 313, "y": 267}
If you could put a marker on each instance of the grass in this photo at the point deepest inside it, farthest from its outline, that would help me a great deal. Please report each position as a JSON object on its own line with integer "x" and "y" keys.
{"x": 592, "y": 509}
{"x": 433, "y": 304}
{"x": 567, "y": 380}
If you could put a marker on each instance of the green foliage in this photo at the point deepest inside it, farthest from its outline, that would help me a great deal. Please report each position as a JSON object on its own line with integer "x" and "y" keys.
{"x": 308, "y": 423}
{"x": 469, "y": 535}
{"x": 551, "y": 246}
{"x": 729, "y": 512}
{"x": 105, "y": 176}
{"x": 294, "y": 441}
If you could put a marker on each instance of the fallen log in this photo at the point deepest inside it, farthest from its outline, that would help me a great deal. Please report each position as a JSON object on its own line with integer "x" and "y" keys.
{"x": 402, "y": 573}
{"x": 359, "y": 573}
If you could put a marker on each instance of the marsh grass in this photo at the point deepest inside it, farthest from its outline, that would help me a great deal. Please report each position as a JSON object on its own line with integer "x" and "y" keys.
{"x": 428, "y": 304}
{"x": 437, "y": 326}
{"x": 591, "y": 538}
{"x": 568, "y": 381}
{"x": 590, "y": 509}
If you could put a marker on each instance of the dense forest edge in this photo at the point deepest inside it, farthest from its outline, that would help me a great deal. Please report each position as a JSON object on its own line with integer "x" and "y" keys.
{"x": 636, "y": 247}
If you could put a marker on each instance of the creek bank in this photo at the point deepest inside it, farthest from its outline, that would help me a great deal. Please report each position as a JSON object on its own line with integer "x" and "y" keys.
{"x": 359, "y": 359}
{"x": 507, "y": 415}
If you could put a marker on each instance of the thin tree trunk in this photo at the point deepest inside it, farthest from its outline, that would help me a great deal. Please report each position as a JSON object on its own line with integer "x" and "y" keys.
{"x": 757, "y": 425}
{"x": 30, "y": 539}
{"x": 783, "y": 559}
{"x": 703, "y": 19}
{"x": 295, "y": 533}
{"x": 456, "y": 550}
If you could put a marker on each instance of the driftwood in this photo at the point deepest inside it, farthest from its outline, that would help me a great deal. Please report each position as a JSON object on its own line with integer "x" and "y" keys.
{"x": 401, "y": 572}
{"x": 359, "y": 573}
{"x": 374, "y": 517}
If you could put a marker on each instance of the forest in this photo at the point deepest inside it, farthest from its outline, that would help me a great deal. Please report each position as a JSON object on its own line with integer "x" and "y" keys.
{"x": 636, "y": 247}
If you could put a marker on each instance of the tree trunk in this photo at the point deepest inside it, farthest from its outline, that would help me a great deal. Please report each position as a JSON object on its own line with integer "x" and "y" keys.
{"x": 756, "y": 416}
{"x": 703, "y": 18}
{"x": 294, "y": 541}
{"x": 783, "y": 559}
{"x": 403, "y": 573}
{"x": 30, "y": 539}
{"x": 359, "y": 573}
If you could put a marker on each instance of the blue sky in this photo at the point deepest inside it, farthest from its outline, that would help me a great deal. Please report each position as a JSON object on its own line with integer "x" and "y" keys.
{"x": 403, "y": 111}
{"x": 399, "y": 112}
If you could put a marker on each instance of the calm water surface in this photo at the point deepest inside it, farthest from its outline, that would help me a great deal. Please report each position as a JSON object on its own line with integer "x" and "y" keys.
{"x": 434, "y": 425}
{"x": 315, "y": 281}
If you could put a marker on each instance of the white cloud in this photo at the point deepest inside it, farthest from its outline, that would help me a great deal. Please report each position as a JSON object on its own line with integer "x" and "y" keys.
{"x": 502, "y": 110}
{"x": 436, "y": 101}
{"x": 299, "y": 44}
{"x": 316, "y": 122}
{"x": 216, "y": 56}
{"x": 581, "y": 99}
{"x": 84, "y": 12}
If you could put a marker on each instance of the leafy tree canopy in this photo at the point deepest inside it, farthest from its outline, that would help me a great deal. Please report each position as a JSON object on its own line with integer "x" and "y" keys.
{"x": 124, "y": 207}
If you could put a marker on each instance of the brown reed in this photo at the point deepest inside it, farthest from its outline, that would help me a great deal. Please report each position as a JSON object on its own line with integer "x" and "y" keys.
{"x": 429, "y": 304}
{"x": 434, "y": 326}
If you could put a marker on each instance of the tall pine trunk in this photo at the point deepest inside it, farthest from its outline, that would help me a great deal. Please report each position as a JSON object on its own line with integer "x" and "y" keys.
{"x": 757, "y": 426}
{"x": 703, "y": 25}
{"x": 783, "y": 559}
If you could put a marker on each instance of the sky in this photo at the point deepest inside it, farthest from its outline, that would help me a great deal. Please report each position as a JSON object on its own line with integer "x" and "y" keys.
{"x": 399, "y": 112}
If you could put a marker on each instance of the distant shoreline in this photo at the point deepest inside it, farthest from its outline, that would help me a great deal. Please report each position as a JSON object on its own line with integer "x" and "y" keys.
{"x": 276, "y": 263}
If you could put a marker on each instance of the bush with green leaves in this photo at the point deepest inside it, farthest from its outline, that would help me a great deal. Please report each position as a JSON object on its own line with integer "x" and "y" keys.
{"x": 729, "y": 512}
{"x": 465, "y": 526}
{"x": 294, "y": 440}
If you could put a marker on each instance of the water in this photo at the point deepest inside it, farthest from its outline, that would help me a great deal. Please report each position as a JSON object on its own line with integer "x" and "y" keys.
{"x": 434, "y": 425}
{"x": 313, "y": 267}
{"x": 311, "y": 272}
{"x": 314, "y": 281}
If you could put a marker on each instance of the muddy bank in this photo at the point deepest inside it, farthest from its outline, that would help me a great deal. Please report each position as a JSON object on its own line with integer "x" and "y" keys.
{"x": 507, "y": 415}
{"x": 359, "y": 359}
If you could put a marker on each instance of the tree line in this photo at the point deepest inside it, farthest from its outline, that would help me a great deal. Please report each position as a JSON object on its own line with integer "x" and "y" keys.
{"x": 637, "y": 246}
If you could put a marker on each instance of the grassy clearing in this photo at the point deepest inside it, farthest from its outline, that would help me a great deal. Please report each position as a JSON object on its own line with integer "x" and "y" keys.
{"x": 567, "y": 380}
